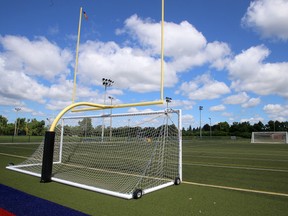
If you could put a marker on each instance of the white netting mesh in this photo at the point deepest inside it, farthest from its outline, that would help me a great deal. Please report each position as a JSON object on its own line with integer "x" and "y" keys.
{"x": 120, "y": 153}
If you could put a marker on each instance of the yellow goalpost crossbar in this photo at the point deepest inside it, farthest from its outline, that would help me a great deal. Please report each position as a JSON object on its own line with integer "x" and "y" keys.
{"x": 93, "y": 106}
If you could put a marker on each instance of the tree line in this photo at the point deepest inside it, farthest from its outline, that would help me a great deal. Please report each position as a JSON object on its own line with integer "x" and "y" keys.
{"x": 241, "y": 129}
{"x": 33, "y": 127}
{"x": 22, "y": 126}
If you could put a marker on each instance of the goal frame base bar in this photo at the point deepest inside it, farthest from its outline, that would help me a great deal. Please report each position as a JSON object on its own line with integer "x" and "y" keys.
{"x": 15, "y": 168}
{"x": 91, "y": 188}
{"x": 108, "y": 192}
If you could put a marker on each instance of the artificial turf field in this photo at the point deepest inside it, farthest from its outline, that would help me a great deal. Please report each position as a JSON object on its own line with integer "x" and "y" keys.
{"x": 220, "y": 177}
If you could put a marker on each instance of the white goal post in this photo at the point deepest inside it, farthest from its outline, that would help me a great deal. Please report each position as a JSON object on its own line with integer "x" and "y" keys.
{"x": 124, "y": 155}
{"x": 269, "y": 137}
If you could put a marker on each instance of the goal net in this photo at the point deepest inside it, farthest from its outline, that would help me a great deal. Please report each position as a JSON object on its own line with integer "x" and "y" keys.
{"x": 269, "y": 137}
{"x": 124, "y": 155}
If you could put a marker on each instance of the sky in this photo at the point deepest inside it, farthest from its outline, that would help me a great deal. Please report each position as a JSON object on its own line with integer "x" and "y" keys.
{"x": 230, "y": 57}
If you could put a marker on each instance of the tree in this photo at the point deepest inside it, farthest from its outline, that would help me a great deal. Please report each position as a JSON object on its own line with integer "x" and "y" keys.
{"x": 36, "y": 128}
{"x": 223, "y": 126}
{"x": 271, "y": 125}
{"x": 206, "y": 127}
{"x": 3, "y": 125}
{"x": 258, "y": 127}
{"x": 86, "y": 126}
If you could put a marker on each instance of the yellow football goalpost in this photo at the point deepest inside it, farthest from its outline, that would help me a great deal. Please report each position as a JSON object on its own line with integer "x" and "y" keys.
{"x": 93, "y": 106}
{"x": 47, "y": 163}
{"x": 136, "y": 160}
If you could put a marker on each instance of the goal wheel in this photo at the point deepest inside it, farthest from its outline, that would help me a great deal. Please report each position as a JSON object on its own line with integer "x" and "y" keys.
{"x": 177, "y": 181}
{"x": 137, "y": 194}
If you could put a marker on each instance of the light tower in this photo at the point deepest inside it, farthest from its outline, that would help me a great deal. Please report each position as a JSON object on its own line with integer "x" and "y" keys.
{"x": 106, "y": 83}
{"x": 111, "y": 98}
{"x": 200, "y": 109}
{"x": 17, "y": 109}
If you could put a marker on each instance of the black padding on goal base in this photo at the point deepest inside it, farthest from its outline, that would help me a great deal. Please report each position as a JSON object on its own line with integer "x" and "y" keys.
{"x": 47, "y": 161}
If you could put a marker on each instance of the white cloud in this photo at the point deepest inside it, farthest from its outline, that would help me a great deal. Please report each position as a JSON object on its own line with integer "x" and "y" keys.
{"x": 187, "y": 120}
{"x": 57, "y": 104}
{"x": 204, "y": 87}
{"x": 180, "y": 38}
{"x": 183, "y": 104}
{"x": 268, "y": 18}
{"x": 248, "y": 72}
{"x": 38, "y": 57}
{"x": 129, "y": 68}
{"x": 7, "y": 101}
{"x": 184, "y": 44}
{"x": 61, "y": 90}
{"x": 217, "y": 108}
{"x": 236, "y": 99}
{"x": 135, "y": 110}
{"x": 252, "y": 102}
{"x": 228, "y": 114}
{"x": 276, "y": 111}
{"x": 17, "y": 86}
{"x": 252, "y": 120}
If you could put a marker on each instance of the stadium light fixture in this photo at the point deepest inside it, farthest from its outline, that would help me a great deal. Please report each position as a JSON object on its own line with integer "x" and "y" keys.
{"x": 168, "y": 100}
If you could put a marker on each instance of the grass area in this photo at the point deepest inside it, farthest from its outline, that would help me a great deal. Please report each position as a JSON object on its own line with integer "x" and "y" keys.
{"x": 20, "y": 139}
{"x": 230, "y": 163}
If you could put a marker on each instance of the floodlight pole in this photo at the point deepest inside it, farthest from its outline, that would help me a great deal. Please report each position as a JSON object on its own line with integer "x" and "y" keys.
{"x": 200, "y": 109}
{"x": 16, "y": 121}
{"x": 111, "y": 98}
{"x": 210, "y": 128}
{"x": 106, "y": 83}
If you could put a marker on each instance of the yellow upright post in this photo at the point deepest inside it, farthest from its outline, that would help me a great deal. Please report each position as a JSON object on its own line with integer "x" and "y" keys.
{"x": 162, "y": 53}
{"x": 76, "y": 61}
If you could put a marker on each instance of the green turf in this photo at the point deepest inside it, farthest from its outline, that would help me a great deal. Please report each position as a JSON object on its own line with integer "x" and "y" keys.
{"x": 20, "y": 139}
{"x": 228, "y": 163}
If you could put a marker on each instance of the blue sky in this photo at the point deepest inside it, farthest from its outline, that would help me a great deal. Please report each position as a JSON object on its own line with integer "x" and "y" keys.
{"x": 228, "y": 56}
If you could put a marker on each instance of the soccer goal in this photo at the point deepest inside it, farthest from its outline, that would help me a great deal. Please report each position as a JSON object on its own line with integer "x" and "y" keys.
{"x": 124, "y": 155}
{"x": 269, "y": 137}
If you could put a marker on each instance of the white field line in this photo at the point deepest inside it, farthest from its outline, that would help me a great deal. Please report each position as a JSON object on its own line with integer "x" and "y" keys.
{"x": 10, "y": 155}
{"x": 24, "y": 143}
{"x": 238, "y": 153}
{"x": 235, "y": 167}
{"x": 240, "y": 158}
{"x": 237, "y": 189}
